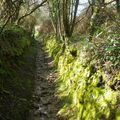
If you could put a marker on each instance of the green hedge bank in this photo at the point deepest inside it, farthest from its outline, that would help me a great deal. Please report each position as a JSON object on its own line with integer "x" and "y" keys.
{"x": 88, "y": 83}
{"x": 17, "y": 58}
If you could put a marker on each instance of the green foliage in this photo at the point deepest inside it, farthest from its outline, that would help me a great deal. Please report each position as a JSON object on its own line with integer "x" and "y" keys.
{"x": 53, "y": 48}
{"x": 106, "y": 40}
{"x": 88, "y": 101}
{"x": 83, "y": 86}
{"x": 16, "y": 73}
{"x": 13, "y": 40}
{"x": 112, "y": 51}
{"x": 89, "y": 82}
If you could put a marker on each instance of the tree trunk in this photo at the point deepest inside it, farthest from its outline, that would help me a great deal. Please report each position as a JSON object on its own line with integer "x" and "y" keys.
{"x": 118, "y": 6}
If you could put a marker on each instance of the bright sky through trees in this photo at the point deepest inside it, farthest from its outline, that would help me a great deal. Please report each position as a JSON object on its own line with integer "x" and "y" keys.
{"x": 82, "y": 6}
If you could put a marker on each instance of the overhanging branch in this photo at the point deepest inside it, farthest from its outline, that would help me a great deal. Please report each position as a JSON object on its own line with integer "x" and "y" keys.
{"x": 33, "y": 10}
{"x": 5, "y": 24}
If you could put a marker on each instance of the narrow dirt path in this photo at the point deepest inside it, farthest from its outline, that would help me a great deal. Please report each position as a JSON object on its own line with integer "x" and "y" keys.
{"x": 44, "y": 99}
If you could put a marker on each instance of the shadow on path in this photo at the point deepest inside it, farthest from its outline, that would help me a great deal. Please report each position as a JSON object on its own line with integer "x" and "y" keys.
{"x": 44, "y": 100}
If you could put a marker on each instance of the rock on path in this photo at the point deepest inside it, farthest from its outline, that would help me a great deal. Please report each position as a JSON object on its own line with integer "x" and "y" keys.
{"x": 44, "y": 100}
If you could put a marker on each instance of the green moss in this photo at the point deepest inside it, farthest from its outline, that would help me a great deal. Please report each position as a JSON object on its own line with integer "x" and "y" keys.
{"x": 13, "y": 40}
{"x": 83, "y": 84}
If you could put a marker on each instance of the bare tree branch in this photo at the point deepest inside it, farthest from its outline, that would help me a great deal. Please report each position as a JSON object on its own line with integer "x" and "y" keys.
{"x": 33, "y": 10}
{"x": 1, "y": 30}
{"x": 83, "y": 16}
{"x": 110, "y": 2}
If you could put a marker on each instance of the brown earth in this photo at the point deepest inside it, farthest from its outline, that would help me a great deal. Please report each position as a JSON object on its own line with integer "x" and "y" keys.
{"x": 44, "y": 99}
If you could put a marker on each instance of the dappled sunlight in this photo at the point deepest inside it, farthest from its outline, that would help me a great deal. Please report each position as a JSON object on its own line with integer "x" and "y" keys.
{"x": 59, "y": 60}
{"x": 81, "y": 85}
